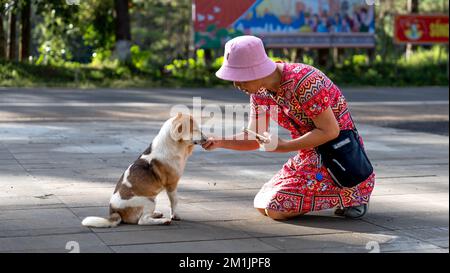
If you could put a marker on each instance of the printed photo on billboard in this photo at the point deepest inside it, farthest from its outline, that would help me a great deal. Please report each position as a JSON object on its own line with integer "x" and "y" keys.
{"x": 317, "y": 23}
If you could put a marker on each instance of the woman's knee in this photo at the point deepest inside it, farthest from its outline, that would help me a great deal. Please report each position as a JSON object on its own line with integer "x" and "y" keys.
{"x": 276, "y": 215}
{"x": 262, "y": 211}
{"x": 272, "y": 214}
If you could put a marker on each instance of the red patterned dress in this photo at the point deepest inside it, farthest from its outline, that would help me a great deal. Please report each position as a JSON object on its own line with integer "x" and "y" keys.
{"x": 303, "y": 184}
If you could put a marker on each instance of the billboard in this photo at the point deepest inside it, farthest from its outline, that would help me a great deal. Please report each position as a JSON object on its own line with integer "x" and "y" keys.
{"x": 285, "y": 23}
{"x": 421, "y": 29}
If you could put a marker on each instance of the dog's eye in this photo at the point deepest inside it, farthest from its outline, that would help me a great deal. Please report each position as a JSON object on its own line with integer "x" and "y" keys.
{"x": 180, "y": 128}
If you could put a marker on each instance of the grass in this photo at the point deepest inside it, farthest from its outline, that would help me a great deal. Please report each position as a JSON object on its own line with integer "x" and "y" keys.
{"x": 423, "y": 69}
{"x": 69, "y": 76}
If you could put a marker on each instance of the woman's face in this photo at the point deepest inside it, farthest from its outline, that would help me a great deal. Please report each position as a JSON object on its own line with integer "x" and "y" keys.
{"x": 249, "y": 87}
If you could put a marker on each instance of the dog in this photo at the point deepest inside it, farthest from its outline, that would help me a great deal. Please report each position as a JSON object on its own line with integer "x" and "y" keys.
{"x": 158, "y": 168}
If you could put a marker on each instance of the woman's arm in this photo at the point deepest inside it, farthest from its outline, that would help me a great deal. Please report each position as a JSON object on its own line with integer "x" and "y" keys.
{"x": 327, "y": 128}
{"x": 239, "y": 142}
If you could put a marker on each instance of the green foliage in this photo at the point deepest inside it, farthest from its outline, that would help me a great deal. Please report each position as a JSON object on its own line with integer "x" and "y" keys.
{"x": 161, "y": 28}
{"x": 194, "y": 71}
{"x": 55, "y": 31}
{"x": 75, "y": 46}
{"x": 97, "y": 25}
{"x": 141, "y": 58}
{"x": 276, "y": 58}
{"x": 103, "y": 58}
{"x": 74, "y": 75}
{"x": 423, "y": 68}
{"x": 307, "y": 60}
{"x": 359, "y": 59}
{"x": 436, "y": 54}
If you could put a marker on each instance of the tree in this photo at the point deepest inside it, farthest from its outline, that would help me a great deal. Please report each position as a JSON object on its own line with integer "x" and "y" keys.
{"x": 162, "y": 28}
{"x": 413, "y": 7}
{"x": 55, "y": 30}
{"x": 12, "y": 32}
{"x": 2, "y": 32}
{"x": 123, "y": 32}
{"x": 25, "y": 14}
{"x": 98, "y": 24}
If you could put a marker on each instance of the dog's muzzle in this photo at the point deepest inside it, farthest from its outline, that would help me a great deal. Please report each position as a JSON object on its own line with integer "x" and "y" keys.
{"x": 200, "y": 141}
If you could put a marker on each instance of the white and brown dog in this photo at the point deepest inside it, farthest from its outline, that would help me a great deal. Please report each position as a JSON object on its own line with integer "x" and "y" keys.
{"x": 158, "y": 168}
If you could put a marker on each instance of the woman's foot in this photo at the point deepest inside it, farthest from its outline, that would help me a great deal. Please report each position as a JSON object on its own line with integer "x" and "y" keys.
{"x": 276, "y": 215}
{"x": 355, "y": 212}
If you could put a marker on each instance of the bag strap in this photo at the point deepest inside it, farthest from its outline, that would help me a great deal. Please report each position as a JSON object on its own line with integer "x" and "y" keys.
{"x": 297, "y": 126}
{"x": 351, "y": 118}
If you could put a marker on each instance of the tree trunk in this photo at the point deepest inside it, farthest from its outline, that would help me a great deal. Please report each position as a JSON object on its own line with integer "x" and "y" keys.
{"x": 413, "y": 7}
{"x": 324, "y": 54}
{"x": 2, "y": 39}
{"x": 208, "y": 56}
{"x": 26, "y": 31}
{"x": 299, "y": 55}
{"x": 123, "y": 32}
{"x": 12, "y": 36}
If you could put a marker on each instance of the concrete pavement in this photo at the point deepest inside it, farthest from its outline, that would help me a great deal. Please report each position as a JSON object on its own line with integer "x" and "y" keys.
{"x": 62, "y": 151}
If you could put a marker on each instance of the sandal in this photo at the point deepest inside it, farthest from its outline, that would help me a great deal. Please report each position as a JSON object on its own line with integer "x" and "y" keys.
{"x": 355, "y": 212}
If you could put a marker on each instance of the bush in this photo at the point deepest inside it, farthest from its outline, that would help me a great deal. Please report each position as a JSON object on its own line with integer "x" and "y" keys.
{"x": 423, "y": 68}
{"x": 69, "y": 75}
{"x": 195, "y": 72}
{"x": 426, "y": 67}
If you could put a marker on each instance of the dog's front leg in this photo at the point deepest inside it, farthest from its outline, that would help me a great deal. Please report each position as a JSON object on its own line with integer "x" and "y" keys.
{"x": 173, "y": 205}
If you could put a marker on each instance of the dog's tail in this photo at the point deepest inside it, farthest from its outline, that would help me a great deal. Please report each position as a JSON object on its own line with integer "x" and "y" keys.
{"x": 99, "y": 222}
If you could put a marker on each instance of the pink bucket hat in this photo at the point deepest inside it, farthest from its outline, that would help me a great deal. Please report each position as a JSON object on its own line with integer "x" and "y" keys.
{"x": 245, "y": 59}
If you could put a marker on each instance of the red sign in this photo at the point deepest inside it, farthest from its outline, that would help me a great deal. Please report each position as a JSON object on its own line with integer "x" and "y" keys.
{"x": 421, "y": 29}
{"x": 219, "y": 12}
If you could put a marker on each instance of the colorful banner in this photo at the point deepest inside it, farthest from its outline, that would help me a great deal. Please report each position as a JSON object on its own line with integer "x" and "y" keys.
{"x": 285, "y": 23}
{"x": 421, "y": 29}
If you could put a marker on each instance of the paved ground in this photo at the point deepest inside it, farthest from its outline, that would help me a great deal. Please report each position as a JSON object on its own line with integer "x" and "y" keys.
{"x": 62, "y": 151}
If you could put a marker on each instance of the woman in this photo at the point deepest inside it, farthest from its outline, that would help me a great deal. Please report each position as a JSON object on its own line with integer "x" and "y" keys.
{"x": 313, "y": 109}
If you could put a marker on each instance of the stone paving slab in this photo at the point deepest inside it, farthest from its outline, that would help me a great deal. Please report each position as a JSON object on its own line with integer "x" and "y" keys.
{"x": 52, "y": 243}
{"x": 222, "y": 246}
{"x": 53, "y": 174}
{"x": 348, "y": 242}
{"x": 198, "y": 233}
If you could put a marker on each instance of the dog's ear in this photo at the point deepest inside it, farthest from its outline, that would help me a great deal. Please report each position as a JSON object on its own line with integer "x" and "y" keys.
{"x": 177, "y": 131}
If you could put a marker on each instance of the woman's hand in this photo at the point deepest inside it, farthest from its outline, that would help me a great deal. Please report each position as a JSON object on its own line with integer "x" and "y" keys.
{"x": 212, "y": 143}
{"x": 273, "y": 143}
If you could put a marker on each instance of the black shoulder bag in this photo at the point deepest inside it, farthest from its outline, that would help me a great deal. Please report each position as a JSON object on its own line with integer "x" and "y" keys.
{"x": 344, "y": 158}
